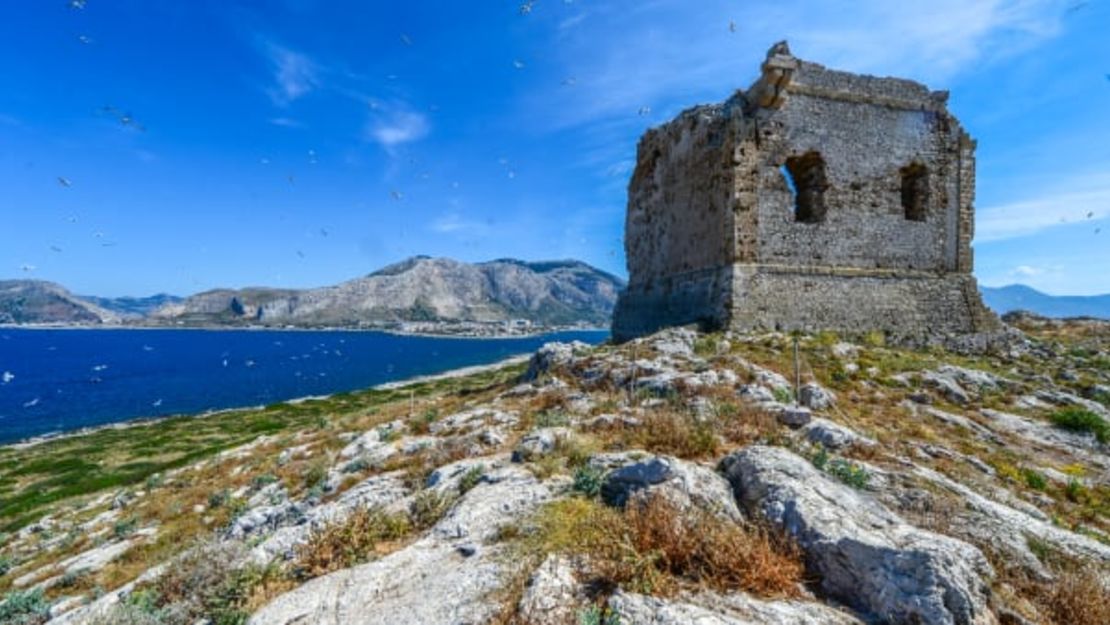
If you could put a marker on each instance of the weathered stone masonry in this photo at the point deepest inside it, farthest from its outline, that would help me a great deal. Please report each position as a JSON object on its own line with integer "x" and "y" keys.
{"x": 816, "y": 199}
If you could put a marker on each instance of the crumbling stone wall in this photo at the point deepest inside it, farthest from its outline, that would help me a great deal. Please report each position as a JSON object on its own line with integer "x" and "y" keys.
{"x": 814, "y": 199}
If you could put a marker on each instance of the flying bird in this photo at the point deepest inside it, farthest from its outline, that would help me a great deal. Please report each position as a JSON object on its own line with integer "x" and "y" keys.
{"x": 570, "y": 82}
{"x": 65, "y": 182}
{"x": 55, "y": 248}
{"x": 526, "y": 7}
{"x": 518, "y": 64}
{"x": 300, "y": 253}
{"x": 405, "y": 39}
{"x": 644, "y": 110}
{"x": 8, "y": 376}
{"x": 323, "y": 232}
{"x": 77, "y": 4}
{"x": 731, "y": 26}
{"x": 397, "y": 195}
{"x": 1090, "y": 214}
{"x": 27, "y": 268}
{"x": 84, "y": 39}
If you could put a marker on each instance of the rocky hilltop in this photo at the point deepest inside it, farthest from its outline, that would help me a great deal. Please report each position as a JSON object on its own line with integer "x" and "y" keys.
{"x": 36, "y": 301}
{"x": 674, "y": 479}
{"x": 419, "y": 289}
{"x": 420, "y": 294}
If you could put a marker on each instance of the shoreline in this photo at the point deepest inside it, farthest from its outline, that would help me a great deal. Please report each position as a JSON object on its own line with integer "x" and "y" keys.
{"x": 458, "y": 372}
{"x": 445, "y": 335}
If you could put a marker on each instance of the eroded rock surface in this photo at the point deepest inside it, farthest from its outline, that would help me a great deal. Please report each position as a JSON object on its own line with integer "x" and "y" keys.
{"x": 866, "y": 555}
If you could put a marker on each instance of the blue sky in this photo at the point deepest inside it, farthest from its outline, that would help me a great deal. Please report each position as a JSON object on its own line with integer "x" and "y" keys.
{"x": 178, "y": 146}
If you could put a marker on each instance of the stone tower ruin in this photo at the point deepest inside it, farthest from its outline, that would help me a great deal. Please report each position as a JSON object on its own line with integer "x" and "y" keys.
{"x": 816, "y": 199}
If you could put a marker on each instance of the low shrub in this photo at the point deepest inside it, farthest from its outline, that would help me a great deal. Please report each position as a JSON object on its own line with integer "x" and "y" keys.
{"x": 428, "y": 507}
{"x": 24, "y": 608}
{"x": 471, "y": 478}
{"x": 677, "y": 434}
{"x": 1034, "y": 479}
{"x": 1078, "y": 597}
{"x": 655, "y": 546}
{"x": 596, "y": 615}
{"x": 1082, "y": 420}
{"x": 125, "y": 527}
{"x": 588, "y": 480}
{"x": 850, "y": 473}
{"x": 354, "y": 540}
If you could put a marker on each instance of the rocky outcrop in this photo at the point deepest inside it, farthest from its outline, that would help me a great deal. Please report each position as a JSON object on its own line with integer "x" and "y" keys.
{"x": 444, "y": 578}
{"x": 683, "y": 483}
{"x": 36, "y": 301}
{"x": 865, "y": 555}
{"x": 711, "y": 609}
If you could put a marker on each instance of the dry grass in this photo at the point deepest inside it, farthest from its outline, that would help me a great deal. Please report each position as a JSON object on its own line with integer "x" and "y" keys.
{"x": 1078, "y": 597}
{"x": 656, "y": 547}
{"x": 361, "y": 536}
{"x": 678, "y": 434}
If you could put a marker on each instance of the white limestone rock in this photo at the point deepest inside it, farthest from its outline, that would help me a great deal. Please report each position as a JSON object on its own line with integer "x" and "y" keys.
{"x": 867, "y": 556}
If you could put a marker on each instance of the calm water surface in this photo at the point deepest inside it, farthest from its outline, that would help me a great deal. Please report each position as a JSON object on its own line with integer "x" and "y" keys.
{"x": 59, "y": 380}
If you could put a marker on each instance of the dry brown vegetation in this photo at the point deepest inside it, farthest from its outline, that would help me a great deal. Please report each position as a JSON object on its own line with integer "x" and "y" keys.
{"x": 654, "y": 546}
{"x": 363, "y": 535}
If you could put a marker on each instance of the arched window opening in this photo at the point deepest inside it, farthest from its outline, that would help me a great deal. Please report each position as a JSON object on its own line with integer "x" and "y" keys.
{"x": 915, "y": 191}
{"x": 805, "y": 177}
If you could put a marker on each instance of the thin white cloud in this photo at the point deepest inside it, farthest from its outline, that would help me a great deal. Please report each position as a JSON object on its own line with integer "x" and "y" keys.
{"x": 696, "y": 56}
{"x": 1076, "y": 200}
{"x": 396, "y": 124}
{"x": 295, "y": 74}
{"x": 286, "y": 122}
{"x": 1026, "y": 271}
{"x": 454, "y": 223}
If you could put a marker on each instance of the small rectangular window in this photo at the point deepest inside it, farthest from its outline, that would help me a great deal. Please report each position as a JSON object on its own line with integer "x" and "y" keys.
{"x": 915, "y": 191}
{"x": 805, "y": 177}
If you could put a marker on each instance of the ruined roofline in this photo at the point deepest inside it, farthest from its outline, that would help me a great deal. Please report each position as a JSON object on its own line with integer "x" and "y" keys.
{"x": 783, "y": 74}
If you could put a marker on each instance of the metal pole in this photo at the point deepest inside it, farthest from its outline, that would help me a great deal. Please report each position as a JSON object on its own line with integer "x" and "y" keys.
{"x": 797, "y": 374}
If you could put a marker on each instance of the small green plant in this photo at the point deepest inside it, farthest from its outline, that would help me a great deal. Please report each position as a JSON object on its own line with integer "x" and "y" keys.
{"x": 1040, "y": 548}
{"x": 219, "y": 498}
{"x": 1034, "y": 479}
{"x": 315, "y": 474}
{"x": 72, "y": 578}
{"x": 427, "y": 508}
{"x": 154, "y": 481}
{"x": 587, "y": 480}
{"x": 356, "y": 466}
{"x": 1082, "y": 420}
{"x": 422, "y": 423}
{"x": 821, "y": 458}
{"x": 706, "y": 345}
{"x": 552, "y": 418}
{"x": 6, "y": 565}
{"x": 1074, "y": 490}
{"x": 850, "y": 473}
{"x": 125, "y": 527}
{"x": 388, "y": 434}
{"x": 263, "y": 480}
{"x": 783, "y": 395}
{"x": 595, "y": 615}
{"x": 24, "y": 608}
{"x": 471, "y": 478}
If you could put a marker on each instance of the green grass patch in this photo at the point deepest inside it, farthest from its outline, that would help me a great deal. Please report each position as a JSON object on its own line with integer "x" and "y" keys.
{"x": 1082, "y": 420}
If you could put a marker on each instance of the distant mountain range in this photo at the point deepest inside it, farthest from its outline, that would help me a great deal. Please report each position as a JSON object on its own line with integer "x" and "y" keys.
{"x": 419, "y": 289}
{"x": 1020, "y": 297}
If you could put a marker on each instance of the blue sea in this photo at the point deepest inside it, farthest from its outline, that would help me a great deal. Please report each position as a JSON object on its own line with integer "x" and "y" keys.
{"x": 60, "y": 380}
